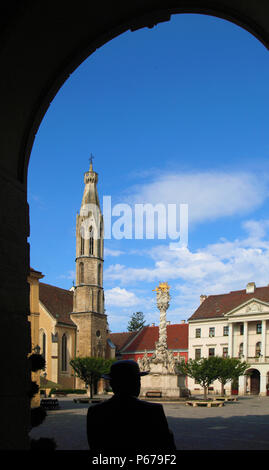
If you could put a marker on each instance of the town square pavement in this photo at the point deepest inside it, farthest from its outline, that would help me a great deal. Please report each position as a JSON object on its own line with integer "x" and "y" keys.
{"x": 237, "y": 425}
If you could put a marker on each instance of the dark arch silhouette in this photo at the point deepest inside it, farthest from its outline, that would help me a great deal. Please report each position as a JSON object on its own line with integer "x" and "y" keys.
{"x": 39, "y": 48}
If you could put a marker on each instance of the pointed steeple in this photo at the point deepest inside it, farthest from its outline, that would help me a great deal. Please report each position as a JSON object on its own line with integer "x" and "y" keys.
{"x": 90, "y": 195}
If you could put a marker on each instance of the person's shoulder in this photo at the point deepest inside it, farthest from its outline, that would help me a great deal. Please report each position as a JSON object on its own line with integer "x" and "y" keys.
{"x": 96, "y": 407}
{"x": 149, "y": 405}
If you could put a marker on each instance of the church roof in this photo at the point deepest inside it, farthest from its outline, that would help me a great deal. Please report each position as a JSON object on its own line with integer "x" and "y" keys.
{"x": 121, "y": 339}
{"x": 59, "y": 302}
{"x": 177, "y": 338}
{"x": 215, "y": 306}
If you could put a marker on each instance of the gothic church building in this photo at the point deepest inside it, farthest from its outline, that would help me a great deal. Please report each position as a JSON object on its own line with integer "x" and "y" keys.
{"x": 71, "y": 323}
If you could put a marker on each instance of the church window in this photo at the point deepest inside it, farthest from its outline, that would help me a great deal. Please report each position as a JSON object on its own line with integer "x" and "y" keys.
{"x": 259, "y": 328}
{"x": 64, "y": 352}
{"x": 99, "y": 301}
{"x": 81, "y": 273}
{"x": 44, "y": 344}
{"x": 82, "y": 244}
{"x": 91, "y": 241}
{"x": 99, "y": 275}
{"x": 98, "y": 333}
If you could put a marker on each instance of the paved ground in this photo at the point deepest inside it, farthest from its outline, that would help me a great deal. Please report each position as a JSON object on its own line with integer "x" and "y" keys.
{"x": 236, "y": 426}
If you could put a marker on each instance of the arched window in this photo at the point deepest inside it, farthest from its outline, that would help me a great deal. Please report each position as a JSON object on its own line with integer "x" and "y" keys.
{"x": 64, "y": 352}
{"x": 258, "y": 349}
{"x": 91, "y": 241}
{"x": 81, "y": 273}
{"x": 44, "y": 345}
{"x": 99, "y": 280}
{"x": 82, "y": 243}
{"x": 99, "y": 301}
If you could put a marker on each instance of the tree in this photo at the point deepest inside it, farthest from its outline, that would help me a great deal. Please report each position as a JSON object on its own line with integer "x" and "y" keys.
{"x": 230, "y": 368}
{"x": 137, "y": 321}
{"x": 90, "y": 369}
{"x": 204, "y": 371}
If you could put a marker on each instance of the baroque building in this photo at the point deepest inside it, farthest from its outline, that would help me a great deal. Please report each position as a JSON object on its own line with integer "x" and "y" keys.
{"x": 234, "y": 324}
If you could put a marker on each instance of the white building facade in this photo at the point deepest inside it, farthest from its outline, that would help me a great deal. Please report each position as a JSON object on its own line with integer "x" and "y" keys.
{"x": 235, "y": 325}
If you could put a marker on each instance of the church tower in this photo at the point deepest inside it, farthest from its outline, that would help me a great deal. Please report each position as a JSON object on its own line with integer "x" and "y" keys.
{"x": 88, "y": 305}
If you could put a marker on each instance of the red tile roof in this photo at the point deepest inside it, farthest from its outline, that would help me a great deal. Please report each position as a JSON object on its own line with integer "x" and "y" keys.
{"x": 217, "y": 305}
{"x": 177, "y": 338}
{"x": 59, "y": 302}
{"x": 121, "y": 339}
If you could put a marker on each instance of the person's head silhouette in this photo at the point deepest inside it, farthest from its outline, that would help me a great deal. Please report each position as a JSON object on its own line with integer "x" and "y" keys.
{"x": 124, "y": 378}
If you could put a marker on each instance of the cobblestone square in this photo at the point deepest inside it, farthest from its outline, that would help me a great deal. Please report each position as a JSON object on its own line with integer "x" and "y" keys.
{"x": 242, "y": 425}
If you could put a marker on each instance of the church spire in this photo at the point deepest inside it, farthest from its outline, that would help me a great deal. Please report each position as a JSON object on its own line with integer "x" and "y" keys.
{"x": 91, "y": 158}
{"x": 90, "y": 195}
{"x": 88, "y": 307}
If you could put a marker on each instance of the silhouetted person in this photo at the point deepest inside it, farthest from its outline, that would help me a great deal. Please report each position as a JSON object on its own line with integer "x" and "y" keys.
{"x": 124, "y": 422}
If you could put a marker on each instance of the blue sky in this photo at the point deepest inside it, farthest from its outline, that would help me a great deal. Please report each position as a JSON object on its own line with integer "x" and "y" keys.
{"x": 174, "y": 114}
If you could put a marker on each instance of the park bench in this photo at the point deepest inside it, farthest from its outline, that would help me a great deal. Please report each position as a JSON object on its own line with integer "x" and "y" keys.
{"x": 154, "y": 394}
{"x": 209, "y": 404}
{"x": 226, "y": 398}
{"x": 50, "y": 403}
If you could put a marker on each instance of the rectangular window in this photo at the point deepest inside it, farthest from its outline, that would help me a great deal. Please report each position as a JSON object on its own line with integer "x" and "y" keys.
{"x": 241, "y": 329}
{"x": 259, "y": 328}
{"x": 197, "y": 353}
{"x": 211, "y": 352}
{"x": 198, "y": 333}
{"x": 225, "y": 352}
{"x": 225, "y": 331}
{"x": 211, "y": 332}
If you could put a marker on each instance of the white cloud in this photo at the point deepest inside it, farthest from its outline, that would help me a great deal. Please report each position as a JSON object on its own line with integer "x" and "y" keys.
{"x": 118, "y": 297}
{"x": 68, "y": 275}
{"x": 109, "y": 252}
{"x": 215, "y": 269}
{"x": 209, "y": 195}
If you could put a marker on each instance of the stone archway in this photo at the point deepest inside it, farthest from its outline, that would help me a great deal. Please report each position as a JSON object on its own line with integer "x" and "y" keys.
{"x": 40, "y": 48}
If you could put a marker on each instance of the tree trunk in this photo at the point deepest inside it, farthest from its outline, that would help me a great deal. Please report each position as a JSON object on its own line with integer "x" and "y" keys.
{"x": 222, "y": 389}
{"x": 91, "y": 389}
{"x": 205, "y": 393}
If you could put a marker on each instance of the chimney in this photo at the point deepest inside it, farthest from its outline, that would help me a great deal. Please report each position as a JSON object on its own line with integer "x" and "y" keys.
{"x": 202, "y": 298}
{"x": 152, "y": 324}
{"x": 168, "y": 322}
{"x": 183, "y": 321}
{"x": 250, "y": 289}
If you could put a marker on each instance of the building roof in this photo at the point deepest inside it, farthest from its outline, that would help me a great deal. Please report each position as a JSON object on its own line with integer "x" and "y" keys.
{"x": 177, "y": 338}
{"x": 215, "y": 306}
{"x": 59, "y": 302}
{"x": 121, "y": 339}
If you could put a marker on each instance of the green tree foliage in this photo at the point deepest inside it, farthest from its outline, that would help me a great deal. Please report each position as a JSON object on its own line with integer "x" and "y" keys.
{"x": 136, "y": 322}
{"x": 90, "y": 369}
{"x": 204, "y": 371}
{"x": 230, "y": 368}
